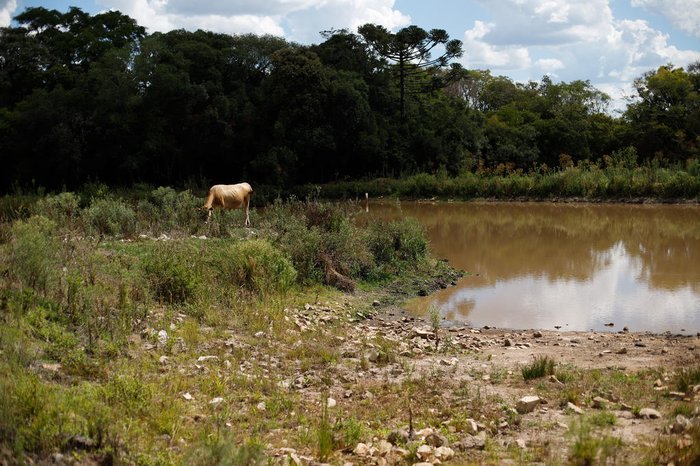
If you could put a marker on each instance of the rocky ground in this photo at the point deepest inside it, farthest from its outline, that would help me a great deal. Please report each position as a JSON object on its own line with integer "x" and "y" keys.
{"x": 611, "y": 397}
{"x": 374, "y": 378}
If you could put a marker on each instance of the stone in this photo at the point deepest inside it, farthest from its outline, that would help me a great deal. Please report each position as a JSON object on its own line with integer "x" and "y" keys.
{"x": 600, "y": 402}
{"x": 444, "y": 453}
{"x": 384, "y": 448}
{"x": 330, "y": 402}
{"x": 424, "y": 452}
{"x": 471, "y": 427}
{"x": 622, "y": 350}
{"x": 361, "y": 450}
{"x": 681, "y": 424}
{"x": 398, "y": 437}
{"x": 261, "y": 406}
{"x": 162, "y": 337}
{"x": 649, "y": 413}
{"x": 216, "y": 401}
{"x": 436, "y": 439}
{"x": 537, "y": 334}
{"x": 471, "y": 442}
{"x": 507, "y": 342}
{"x": 188, "y": 397}
{"x": 574, "y": 408}
{"x": 527, "y": 404}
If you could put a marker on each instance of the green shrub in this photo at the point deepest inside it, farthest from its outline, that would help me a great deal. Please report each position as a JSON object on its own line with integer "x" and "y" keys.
{"x": 33, "y": 252}
{"x": 166, "y": 210}
{"x": 402, "y": 240}
{"x": 541, "y": 366}
{"x": 257, "y": 266}
{"x": 62, "y": 208}
{"x": 110, "y": 217}
{"x": 170, "y": 270}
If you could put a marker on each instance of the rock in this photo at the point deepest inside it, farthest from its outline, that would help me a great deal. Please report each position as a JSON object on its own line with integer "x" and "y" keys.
{"x": 207, "y": 358}
{"x": 361, "y": 450}
{"x": 649, "y": 413}
{"x": 81, "y": 442}
{"x": 162, "y": 337}
{"x": 188, "y": 397}
{"x": 444, "y": 453}
{"x": 527, "y": 404}
{"x": 507, "y": 342}
{"x": 600, "y": 402}
{"x": 376, "y": 303}
{"x": 384, "y": 448}
{"x": 537, "y": 334}
{"x": 330, "y": 402}
{"x": 261, "y": 406}
{"x": 681, "y": 424}
{"x": 471, "y": 442}
{"x": 216, "y": 401}
{"x": 449, "y": 362}
{"x": 521, "y": 444}
{"x": 259, "y": 334}
{"x": 574, "y": 408}
{"x": 622, "y": 350}
{"x": 398, "y": 437}
{"x": 471, "y": 427}
{"x": 424, "y": 452}
{"x": 435, "y": 439}
{"x": 423, "y": 333}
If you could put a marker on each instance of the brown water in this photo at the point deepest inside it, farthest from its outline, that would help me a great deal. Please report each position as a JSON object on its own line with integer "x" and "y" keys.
{"x": 578, "y": 266}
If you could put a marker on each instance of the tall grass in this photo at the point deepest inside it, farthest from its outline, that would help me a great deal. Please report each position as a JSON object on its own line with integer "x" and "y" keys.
{"x": 587, "y": 181}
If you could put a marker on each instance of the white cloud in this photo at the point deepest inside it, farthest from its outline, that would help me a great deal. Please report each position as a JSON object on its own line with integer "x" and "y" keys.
{"x": 577, "y": 40}
{"x": 297, "y": 20}
{"x": 7, "y": 8}
{"x": 550, "y": 64}
{"x": 684, "y": 14}
{"x": 482, "y": 54}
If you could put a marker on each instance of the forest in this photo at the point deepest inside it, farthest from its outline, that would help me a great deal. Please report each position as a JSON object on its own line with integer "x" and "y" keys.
{"x": 95, "y": 98}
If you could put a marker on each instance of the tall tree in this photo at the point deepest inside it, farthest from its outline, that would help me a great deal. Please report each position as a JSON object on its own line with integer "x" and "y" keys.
{"x": 410, "y": 49}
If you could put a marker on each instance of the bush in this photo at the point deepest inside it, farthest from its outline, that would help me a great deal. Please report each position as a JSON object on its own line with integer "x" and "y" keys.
{"x": 402, "y": 240}
{"x": 61, "y": 208}
{"x": 111, "y": 217}
{"x": 164, "y": 209}
{"x": 257, "y": 266}
{"x": 541, "y": 366}
{"x": 34, "y": 252}
{"x": 170, "y": 272}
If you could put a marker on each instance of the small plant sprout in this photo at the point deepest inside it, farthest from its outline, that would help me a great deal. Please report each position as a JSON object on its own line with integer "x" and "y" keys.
{"x": 434, "y": 314}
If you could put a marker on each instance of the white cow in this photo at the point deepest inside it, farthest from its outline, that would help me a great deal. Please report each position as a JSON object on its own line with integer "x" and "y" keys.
{"x": 229, "y": 196}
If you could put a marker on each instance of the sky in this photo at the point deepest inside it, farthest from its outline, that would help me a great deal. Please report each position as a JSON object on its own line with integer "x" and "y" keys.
{"x": 607, "y": 42}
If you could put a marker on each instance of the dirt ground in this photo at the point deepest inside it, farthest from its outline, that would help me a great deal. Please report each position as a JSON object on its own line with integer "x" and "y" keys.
{"x": 490, "y": 360}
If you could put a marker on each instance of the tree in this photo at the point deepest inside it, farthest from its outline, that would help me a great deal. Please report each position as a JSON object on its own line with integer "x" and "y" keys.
{"x": 410, "y": 48}
{"x": 665, "y": 118}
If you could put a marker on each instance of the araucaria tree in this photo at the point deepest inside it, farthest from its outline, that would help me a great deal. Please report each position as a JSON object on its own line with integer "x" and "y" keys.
{"x": 410, "y": 49}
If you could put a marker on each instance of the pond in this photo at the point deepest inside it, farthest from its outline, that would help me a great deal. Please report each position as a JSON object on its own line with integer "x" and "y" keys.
{"x": 574, "y": 266}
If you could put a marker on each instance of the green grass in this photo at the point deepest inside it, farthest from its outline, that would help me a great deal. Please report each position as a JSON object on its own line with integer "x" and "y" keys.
{"x": 539, "y": 367}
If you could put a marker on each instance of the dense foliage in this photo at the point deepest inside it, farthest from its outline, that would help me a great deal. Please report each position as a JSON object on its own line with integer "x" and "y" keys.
{"x": 96, "y": 98}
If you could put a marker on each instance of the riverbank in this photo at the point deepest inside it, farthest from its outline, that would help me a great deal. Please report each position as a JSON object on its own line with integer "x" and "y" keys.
{"x": 171, "y": 346}
{"x": 584, "y": 183}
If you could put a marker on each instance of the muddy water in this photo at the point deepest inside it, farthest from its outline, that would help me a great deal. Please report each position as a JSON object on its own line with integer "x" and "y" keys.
{"x": 578, "y": 266}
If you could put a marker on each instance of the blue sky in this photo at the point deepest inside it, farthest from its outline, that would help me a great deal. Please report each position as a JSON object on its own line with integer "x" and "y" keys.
{"x": 608, "y": 42}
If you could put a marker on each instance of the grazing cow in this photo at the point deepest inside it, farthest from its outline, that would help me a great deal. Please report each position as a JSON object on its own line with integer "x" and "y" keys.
{"x": 229, "y": 196}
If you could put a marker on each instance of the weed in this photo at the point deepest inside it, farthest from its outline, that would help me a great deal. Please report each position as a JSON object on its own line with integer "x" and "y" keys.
{"x": 540, "y": 366}
{"x": 34, "y": 253}
{"x": 110, "y": 217}
{"x": 688, "y": 377}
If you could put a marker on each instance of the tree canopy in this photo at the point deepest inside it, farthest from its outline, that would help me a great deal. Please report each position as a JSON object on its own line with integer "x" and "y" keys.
{"x": 95, "y": 98}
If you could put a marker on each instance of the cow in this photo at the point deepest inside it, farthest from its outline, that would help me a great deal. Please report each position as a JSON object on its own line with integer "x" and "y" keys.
{"x": 229, "y": 196}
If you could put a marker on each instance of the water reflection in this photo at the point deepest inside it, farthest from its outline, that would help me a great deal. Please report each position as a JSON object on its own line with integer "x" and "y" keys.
{"x": 578, "y": 266}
